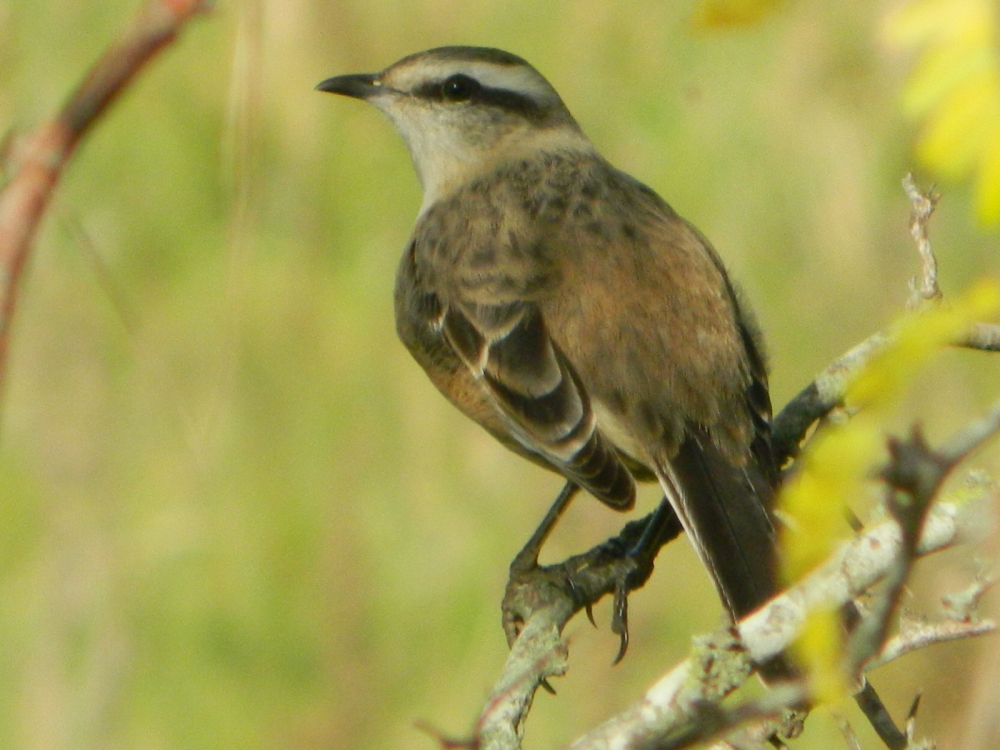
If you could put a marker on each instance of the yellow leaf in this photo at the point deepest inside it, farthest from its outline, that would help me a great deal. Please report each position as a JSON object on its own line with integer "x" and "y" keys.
{"x": 954, "y": 90}
{"x": 988, "y": 181}
{"x": 916, "y": 338}
{"x": 832, "y": 472}
{"x": 939, "y": 71}
{"x": 838, "y": 464}
{"x": 956, "y": 131}
{"x": 917, "y": 22}
{"x": 819, "y": 648}
{"x": 713, "y": 14}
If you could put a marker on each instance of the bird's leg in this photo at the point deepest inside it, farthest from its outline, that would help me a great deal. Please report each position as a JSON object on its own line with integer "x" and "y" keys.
{"x": 530, "y": 585}
{"x": 527, "y": 558}
{"x": 662, "y": 526}
{"x": 617, "y": 566}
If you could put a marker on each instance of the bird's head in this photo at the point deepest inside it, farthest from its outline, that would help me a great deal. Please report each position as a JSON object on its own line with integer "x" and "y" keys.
{"x": 462, "y": 110}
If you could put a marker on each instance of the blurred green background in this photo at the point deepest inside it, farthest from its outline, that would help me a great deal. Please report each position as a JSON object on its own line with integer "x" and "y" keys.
{"x": 234, "y": 514}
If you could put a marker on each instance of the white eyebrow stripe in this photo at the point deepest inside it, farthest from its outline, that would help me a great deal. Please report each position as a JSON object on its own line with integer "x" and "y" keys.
{"x": 521, "y": 80}
{"x": 515, "y": 78}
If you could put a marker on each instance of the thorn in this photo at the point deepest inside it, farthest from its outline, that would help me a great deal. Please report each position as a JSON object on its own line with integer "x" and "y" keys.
{"x": 447, "y": 743}
{"x": 857, "y": 526}
{"x": 547, "y": 686}
{"x": 913, "y": 708}
{"x": 590, "y": 615}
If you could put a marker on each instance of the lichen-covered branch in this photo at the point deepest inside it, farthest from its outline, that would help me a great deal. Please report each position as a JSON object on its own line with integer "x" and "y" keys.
{"x": 722, "y": 663}
{"x": 670, "y": 704}
{"x": 674, "y": 709}
{"x": 684, "y": 707}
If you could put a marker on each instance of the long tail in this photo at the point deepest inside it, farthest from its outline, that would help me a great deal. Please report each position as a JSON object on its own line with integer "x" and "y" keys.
{"x": 725, "y": 510}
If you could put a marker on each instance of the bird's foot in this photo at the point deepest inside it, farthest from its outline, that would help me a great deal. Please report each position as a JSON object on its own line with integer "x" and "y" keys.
{"x": 565, "y": 588}
{"x": 530, "y": 591}
{"x": 631, "y": 577}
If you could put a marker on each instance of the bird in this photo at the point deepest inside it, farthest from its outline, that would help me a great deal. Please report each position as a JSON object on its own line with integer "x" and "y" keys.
{"x": 571, "y": 312}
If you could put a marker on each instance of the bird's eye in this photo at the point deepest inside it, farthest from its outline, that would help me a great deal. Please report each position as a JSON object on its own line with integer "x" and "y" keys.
{"x": 459, "y": 88}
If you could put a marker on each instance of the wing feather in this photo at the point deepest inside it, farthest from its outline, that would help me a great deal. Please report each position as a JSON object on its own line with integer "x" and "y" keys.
{"x": 509, "y": 351}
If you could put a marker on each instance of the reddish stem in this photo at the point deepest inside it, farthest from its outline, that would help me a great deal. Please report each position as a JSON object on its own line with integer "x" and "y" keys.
{"x": 40, "y": 158}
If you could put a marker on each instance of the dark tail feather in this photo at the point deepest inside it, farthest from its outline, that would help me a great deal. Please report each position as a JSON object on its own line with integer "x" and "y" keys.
{"x": 725, "y": 509}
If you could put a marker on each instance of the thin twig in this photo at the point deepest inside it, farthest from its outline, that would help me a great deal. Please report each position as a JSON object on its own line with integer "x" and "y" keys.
{"x": 822, "y": 395}
{"x": 914, "y": 475}
{"x": 973, "y": 436}
{"x": 878, "y": 716}
{"x": 39, "y": 159}
{"x": 923, "y": 204}
{"x": 769, "y": 631}
{"x": 917, "y": 637}
{"x": 983, "y": 337}
{"x": 791, "y": 426}
{"x": 850, "y": 738}
{"x": 538, "y": 654}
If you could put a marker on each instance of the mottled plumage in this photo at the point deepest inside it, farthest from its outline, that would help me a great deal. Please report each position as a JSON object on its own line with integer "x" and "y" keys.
{"x": 567, "y": 309}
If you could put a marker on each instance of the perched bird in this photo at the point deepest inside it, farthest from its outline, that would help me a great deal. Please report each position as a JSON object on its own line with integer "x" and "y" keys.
{"x": 566, "y": 308}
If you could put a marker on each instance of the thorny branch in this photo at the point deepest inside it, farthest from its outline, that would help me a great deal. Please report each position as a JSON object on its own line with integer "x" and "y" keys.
{"x": 913, "y": 476}
{"x": 684, "y": 706}
{"x": 38, "y": 159}
{"x": 880, "y": 553}
{"x": 826, "y": 392}
{"x": 672, "y": 704}
{"x": 913, "y": 636}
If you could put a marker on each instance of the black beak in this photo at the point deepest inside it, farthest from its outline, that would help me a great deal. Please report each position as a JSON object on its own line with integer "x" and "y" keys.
{"x": 360, "y": 86}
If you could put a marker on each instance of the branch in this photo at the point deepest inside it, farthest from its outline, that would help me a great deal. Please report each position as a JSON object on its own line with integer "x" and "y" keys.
{"x": 827, "y": 391}
{"x": 759, "y": 717}
{"x": 914, "y": 475}
{"x": 916, "y": 635}
{"x": 983, "y": 337}
{"x": 38, "y": 161}
{"x": 670, "y": 703}
{"x": 923, "y": 205}
{"x": 539, "y": 653}
{"x": 821, "y": 396}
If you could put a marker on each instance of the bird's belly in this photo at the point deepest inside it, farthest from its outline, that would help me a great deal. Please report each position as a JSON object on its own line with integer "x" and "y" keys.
{"x": 632, "y": 451}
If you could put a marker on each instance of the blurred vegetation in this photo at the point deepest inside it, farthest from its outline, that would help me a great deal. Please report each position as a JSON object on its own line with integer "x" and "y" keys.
{"x": 233, "y": 513}
{"x": 955, "y": 90}
{"x": 839, "y": 466}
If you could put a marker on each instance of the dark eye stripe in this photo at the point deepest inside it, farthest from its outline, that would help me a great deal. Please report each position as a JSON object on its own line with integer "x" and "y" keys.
{"x": 509, "y": 101}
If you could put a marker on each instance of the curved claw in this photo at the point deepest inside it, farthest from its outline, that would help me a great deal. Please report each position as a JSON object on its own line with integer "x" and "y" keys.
{"x": 590, "y": 615}
{"x": 619, "y": 619}
{"x": 622, "y": 648}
